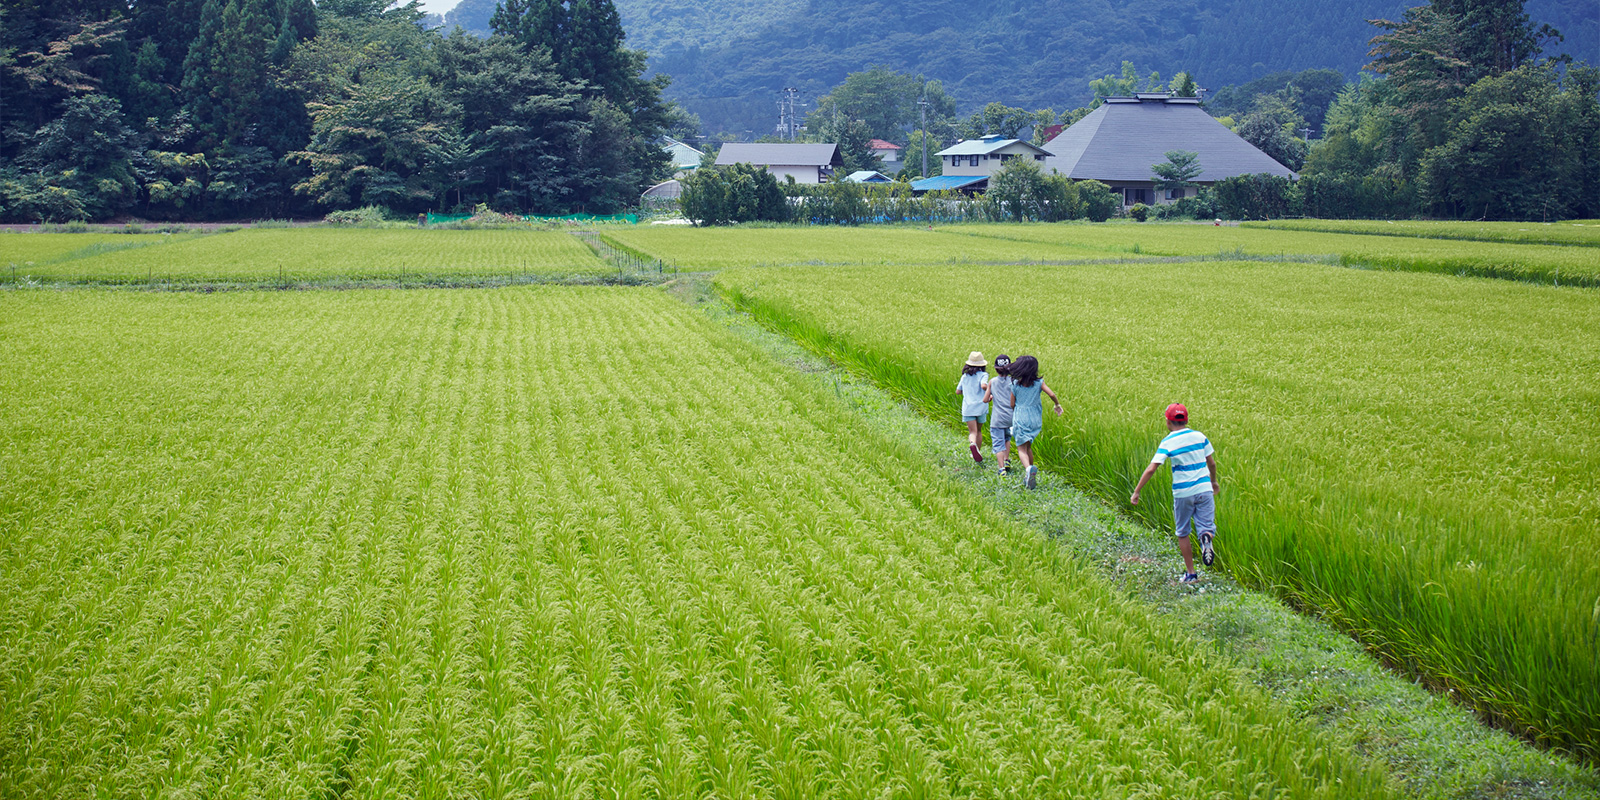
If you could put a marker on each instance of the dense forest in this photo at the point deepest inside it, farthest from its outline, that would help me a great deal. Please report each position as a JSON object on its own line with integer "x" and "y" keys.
{"x": 729, "y": 59}
{"x": 205, "y": 109}
{"x": 218, "y": 109}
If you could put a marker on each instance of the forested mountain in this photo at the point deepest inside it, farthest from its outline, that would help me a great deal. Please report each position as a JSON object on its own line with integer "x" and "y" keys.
{"x": 729, "y": 58}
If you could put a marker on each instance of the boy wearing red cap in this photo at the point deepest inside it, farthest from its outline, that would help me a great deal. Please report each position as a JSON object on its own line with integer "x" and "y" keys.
{"x": 1194, "y": 485}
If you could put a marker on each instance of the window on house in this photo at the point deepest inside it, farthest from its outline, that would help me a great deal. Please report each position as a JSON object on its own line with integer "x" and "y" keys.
{"x": 972, "y": 161}
{"x": 1038, "y": 158}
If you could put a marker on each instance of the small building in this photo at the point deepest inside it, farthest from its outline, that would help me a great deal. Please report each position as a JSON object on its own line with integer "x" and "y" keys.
{"x": 985, "y": 156}
{"x": 1119, "y": 142}
{"x": 891, "y": 155}
{"x": 684, "y": 158}
{"x": 806, "y": 163}
{"x": 868, "y": 176}
{"x": 965, "y": 184}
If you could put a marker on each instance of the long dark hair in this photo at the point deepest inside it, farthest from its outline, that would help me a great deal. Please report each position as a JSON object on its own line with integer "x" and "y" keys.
{"x": 1025, "y": 370}
{"x": 968, "y": 369}
{"x": 1002, "y": 369}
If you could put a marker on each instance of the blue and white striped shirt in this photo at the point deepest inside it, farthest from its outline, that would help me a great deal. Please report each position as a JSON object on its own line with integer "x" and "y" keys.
{"x": 1188, "y": 450}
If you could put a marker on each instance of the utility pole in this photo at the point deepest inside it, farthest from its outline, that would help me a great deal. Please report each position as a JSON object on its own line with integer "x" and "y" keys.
{"x": 787, "y": 121}
{"x": 923, "y": 107}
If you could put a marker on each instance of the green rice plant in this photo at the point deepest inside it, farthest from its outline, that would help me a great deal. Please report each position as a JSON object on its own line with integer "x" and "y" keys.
{"x": 34, "y": 252}
{"x": 1574, "y": 266}
{"x": 544, "y": 541}
{"x": 1584, "y": 233}
{"x": 1410, "y": 455}
{"x": 721, "y": 248}
{"x": 317, "y": 254}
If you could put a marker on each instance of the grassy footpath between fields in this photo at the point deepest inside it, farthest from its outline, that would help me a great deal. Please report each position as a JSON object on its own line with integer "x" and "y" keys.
{"x": 1436, "y": 748}
{"x": 1333, "y": 395}
{"x": 1533, "y": 263}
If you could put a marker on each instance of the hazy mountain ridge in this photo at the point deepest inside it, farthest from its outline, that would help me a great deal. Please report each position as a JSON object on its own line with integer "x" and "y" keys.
{"x": 729, "y": 59}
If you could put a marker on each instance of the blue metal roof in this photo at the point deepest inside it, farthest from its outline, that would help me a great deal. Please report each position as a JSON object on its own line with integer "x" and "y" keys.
{"x": 943, "y": 182}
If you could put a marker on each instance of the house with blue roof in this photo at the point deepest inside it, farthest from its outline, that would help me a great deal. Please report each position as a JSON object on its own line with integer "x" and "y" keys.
{"x": 969, "y": 163}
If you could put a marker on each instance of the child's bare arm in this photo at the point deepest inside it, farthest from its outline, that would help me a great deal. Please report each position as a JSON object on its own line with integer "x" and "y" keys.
{"x": 1053, "y": 398}
{"x": 988, "y": 394}
{"x": 1143, "y": 479}
{"x": 1211, "y": 464}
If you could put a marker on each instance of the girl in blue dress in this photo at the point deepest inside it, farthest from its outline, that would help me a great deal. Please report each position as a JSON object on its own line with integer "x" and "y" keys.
{"x": 1027, "y": 415}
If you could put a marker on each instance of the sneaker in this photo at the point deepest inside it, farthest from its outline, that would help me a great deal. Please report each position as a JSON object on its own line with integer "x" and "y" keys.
{"x": 1189, "y": 577}
{"x": 1207, "y": 554}
{"x": 976, "y": 456}
{"x": 1033, "y": 476}
{"x": 1005, "y": 470}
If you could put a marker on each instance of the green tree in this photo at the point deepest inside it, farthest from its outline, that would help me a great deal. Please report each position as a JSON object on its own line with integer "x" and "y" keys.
{"x": 883, "y": 98}
{"x": 1022, "y": 192}
{"x": 82, "y": 165}
{"x": 853, "y": 137}
{"x": 913, "y": 155}
{"x": 997, "y": 119}
{"x": 1183, "y": 86}
{"x": 1097, "y": 201}
{"x": 1178, "y": 171}
{"x": 1512, "y": 149}
{"x": 1273, "y": 127}
{"x": 1125, "y": 85}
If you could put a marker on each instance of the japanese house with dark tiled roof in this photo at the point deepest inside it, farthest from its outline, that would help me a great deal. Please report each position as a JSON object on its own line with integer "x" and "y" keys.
{"x": 1120, "y": 141}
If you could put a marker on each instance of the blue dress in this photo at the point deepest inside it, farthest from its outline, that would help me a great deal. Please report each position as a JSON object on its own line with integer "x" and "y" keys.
{"x": 1028, "y": 418}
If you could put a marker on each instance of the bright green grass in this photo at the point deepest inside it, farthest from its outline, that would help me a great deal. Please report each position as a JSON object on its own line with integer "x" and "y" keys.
{"x": 720, "y": 248}
{"x": 29, "y": 251}
{"x": 1413, "y": 454}
{"x": 1538, "y": 263}
{"x": 1572, "y": 232}
{"x": 385, "y": 543}
{"x": 309, "y": 254}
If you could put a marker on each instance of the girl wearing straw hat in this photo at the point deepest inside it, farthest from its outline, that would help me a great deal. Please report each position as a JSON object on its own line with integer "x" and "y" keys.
{"x": 974, "y": 381}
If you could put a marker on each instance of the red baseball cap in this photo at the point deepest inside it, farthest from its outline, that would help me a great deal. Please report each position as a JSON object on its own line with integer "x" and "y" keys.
{"x": 1177, "y": 413}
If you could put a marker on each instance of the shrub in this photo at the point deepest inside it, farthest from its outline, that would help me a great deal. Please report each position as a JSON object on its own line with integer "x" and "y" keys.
{"x": 1258, "y": 196}
{"x": 366, "y": 216}
{"x": 1099, "y": 202}
{"x": 737, "y": 193}
{"x": 1140, "y": 212}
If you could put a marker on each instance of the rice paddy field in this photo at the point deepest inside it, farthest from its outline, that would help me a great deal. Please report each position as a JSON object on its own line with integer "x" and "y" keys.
{"x": 1582, "y": 232}
{"x": 722, "y": 248}
{"x": 28, "y": 252}
{"x": 1537, "y": 263}
{"x": 301, "y": 254}
{"x": 1413, "y": 455}
{"x": 544, "y": 542}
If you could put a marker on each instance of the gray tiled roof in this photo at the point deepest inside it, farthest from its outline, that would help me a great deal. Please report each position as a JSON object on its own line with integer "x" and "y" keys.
{"x": 783, "y": 154}
{"x": 1119, "y": 141}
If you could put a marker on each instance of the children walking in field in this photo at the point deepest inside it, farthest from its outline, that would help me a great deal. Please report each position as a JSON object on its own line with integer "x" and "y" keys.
{"x": 1027, "y": 416}
{"x": 1194, "y": 485}
{"x": 999, "y": 394}
{"x": 974, "y": 406}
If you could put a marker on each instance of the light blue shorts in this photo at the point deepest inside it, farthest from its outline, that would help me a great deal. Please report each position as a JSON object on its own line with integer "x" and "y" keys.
{"x": 1200, "y": 510}
{"x": 999, "y": 437}
{"x": 978, "y": 418}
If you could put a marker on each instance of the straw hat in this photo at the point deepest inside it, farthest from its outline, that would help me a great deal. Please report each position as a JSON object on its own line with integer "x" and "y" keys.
{"x": 976, "y": 360}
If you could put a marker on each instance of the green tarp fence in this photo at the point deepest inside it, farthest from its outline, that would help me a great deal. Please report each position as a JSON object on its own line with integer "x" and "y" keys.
{"x": 631, "y": 219}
